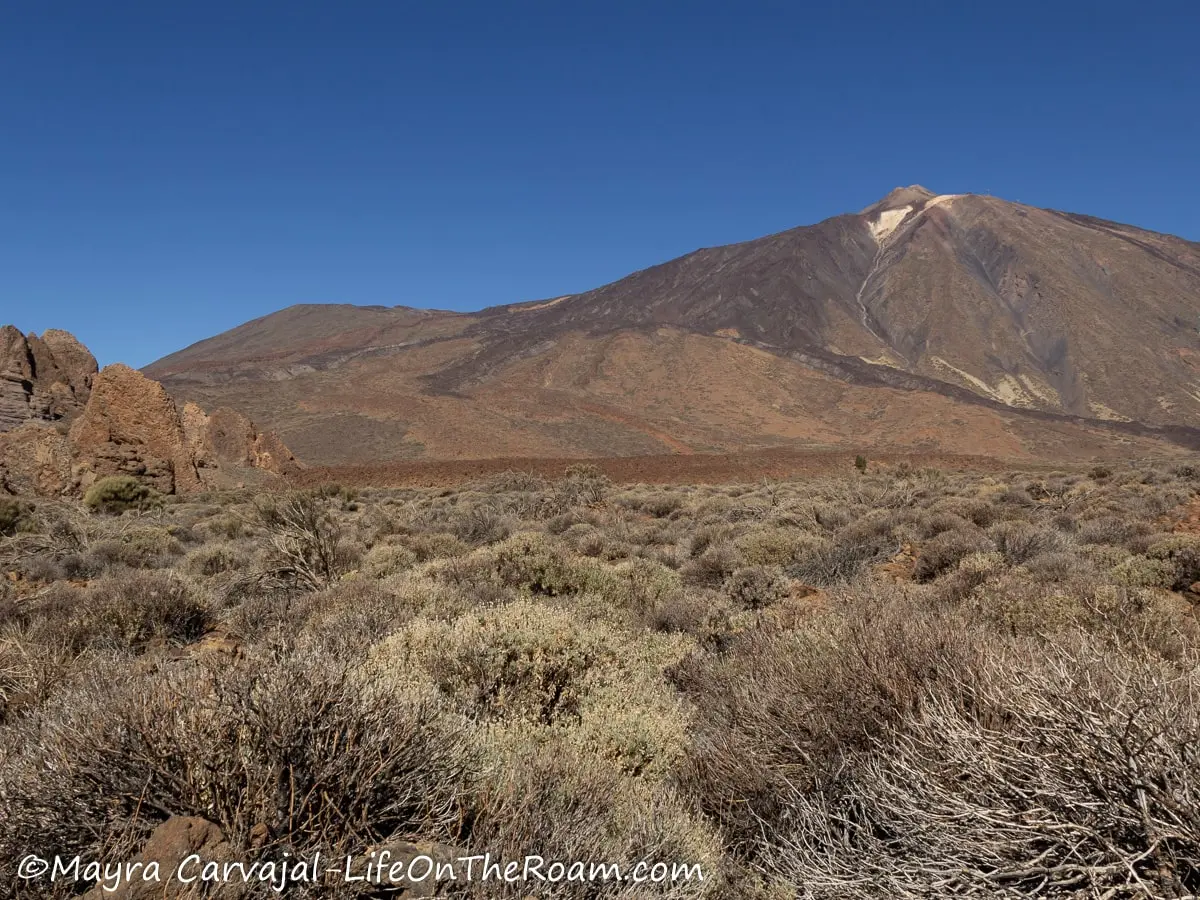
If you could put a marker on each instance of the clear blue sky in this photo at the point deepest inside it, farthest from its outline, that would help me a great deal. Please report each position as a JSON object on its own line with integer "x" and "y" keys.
{"x": 170, "y": 169}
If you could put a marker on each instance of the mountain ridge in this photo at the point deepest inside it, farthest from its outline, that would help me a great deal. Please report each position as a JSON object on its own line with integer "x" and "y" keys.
{"x": 1021, "y": 311}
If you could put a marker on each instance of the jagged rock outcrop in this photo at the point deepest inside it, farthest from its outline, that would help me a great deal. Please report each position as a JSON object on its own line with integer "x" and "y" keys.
{"x": 43, "y": 378}
{"x": 227, "y": 438}
{"x": 126, "y": 424}
{"x": 131, "y": 427}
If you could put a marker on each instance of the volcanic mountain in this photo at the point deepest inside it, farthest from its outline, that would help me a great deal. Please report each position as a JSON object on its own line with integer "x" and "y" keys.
{"x": 955, "y": 322}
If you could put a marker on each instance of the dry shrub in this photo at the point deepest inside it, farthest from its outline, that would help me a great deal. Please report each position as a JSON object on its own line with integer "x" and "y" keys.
{"x": 225, "y": 525}
{"x": 383, "y": 560}
{"x": 37, "y": 653}
{"x": 707, "y": 535}
{"x": 773, "y": 546}
{"x": 1058, "y": 567}
{"x": 659, "y": 504}
{"x": 977, "y": 511}
{"x": 529, "y": 671}
{"x": 213, "y": 559}
{"x": 942, "y": 521}
{"x": 716, "y": 563}
{"x": 116, "y": 494}
{"x": 582, "y": 485}
{"x": 350, "y": 616}
{"x": 831, "y": 517}
{"x": 637, "y": 586}
{"x": 705, "y": 617}
{"x": 1015, "y": 496}
{"x": 1012, "y": 604}
{"x": 840, "y": 560}
{"x": 584, "y": 539}
{"x": 756, "y": 587}
{"x": 522, "y": 660}
{"x": 481, "y": 523}
{"x": 972, "y": 571}
{"x": 1102, "y": 556}
{"x": 303, "y": 537}
{"x": 510, "y": 481}
{"x": 946, "y": 550}
{"x": 146, "y": 547}
{"x": 533, "y": 562}
{"x": 13, "y": 515}
{"x": 1109, "y": 530}
{"x": 782, "y": 707}
{"x": 1182, "y": 553}
{"x": 1143, "y": 571}
{"x": 553, "y": 799}
{"x": 572, "y": 518}
{"x": 131, "y": 609}
{"x": 435, "y": 545}
{"x": 1021, "y": 541}
{"x": 293, "y": 739}
{"x": 1066, "y": 771}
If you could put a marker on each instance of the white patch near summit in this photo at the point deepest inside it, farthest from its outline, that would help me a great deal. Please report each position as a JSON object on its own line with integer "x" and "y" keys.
{"x": 887, "y": 222}
{"x": 941, "y": 199}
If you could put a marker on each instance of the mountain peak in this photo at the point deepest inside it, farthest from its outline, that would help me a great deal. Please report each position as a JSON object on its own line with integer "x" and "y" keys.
{"x": 912, "y": 195}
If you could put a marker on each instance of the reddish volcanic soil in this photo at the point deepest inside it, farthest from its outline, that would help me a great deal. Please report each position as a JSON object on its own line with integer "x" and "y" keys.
{"x": 697, "y": 468}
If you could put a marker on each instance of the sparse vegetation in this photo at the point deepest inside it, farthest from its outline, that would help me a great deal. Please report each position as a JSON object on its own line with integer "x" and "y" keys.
{"x": 894, "y": 683}
{"x": 12, "y": 513}
{"x": 116, "y": 494}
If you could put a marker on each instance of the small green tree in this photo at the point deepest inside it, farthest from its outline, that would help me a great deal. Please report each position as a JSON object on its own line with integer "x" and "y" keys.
{"x": 116, "y": 493}
{"x": 860, "y": 463}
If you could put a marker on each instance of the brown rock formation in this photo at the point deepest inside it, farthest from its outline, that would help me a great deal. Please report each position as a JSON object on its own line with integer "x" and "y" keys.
{"x": 129, "y": 426}
{"x": 226, "y": 438}
{"x": 42, "y": 378}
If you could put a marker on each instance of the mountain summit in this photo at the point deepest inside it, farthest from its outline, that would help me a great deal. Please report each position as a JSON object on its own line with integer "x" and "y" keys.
{"x": 955, "y": 321}
{"x": 913, "y": 195}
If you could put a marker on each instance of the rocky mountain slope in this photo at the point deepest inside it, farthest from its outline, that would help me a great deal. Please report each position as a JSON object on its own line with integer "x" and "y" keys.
{"x": 63, "y": 425}
{"x": 961, "y": 323}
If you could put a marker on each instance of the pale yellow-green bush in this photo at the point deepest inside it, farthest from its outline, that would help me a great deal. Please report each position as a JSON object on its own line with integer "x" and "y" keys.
{"x": 526, "y": 665}
{"x": 213, "y": 559}
{"x": 1104, "y": 556}
{"x": 773, "y": 546}
{"x": 434, "y": 545}
{"x": 756, "y": 587}
{"x": 539, "y": 564}
{"x": 523, "y": 660}
{"x": 1143, "y": 571}
{"x": 1182, "y": 552}
{"x": 554, "y": 796}
{"x": 383, "y": 560}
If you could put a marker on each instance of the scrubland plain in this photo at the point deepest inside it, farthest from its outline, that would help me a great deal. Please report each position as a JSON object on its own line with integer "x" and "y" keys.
{"x": 896, "y": 682}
